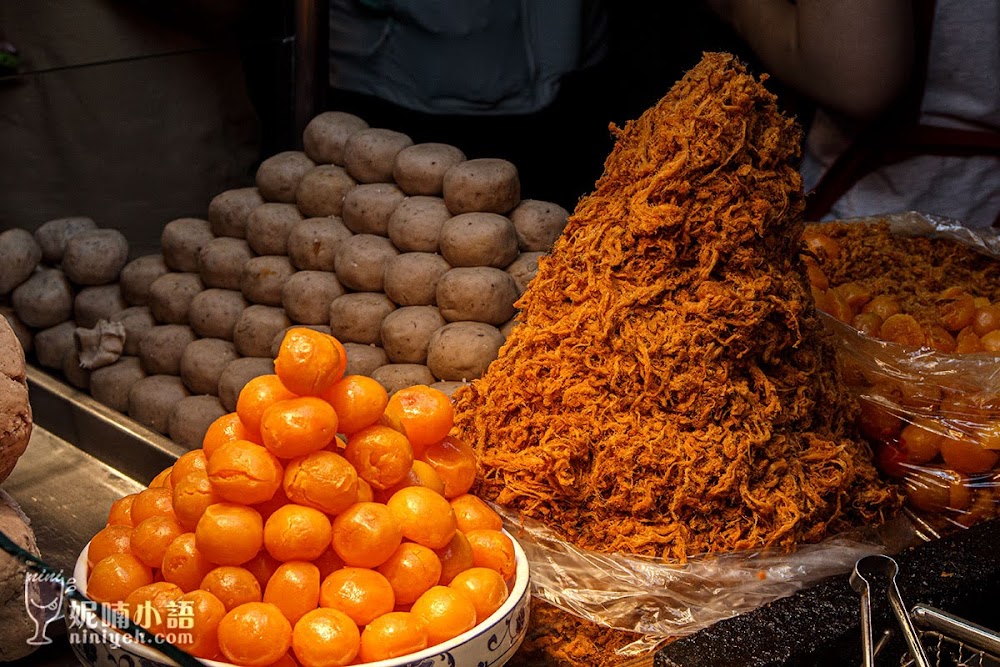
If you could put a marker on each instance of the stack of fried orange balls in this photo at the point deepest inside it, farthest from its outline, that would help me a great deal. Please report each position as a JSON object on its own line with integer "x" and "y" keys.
{"x": 292, "y": 545}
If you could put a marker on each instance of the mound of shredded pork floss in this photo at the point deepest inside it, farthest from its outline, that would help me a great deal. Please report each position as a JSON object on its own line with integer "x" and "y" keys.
{"x": 668, "y": 390}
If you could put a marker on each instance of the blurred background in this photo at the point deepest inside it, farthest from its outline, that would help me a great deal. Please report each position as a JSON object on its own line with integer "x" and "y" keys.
{"x": 136, "y": 113}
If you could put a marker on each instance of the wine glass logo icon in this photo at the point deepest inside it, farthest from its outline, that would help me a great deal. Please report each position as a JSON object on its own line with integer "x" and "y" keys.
{"x": 43, "y": 600}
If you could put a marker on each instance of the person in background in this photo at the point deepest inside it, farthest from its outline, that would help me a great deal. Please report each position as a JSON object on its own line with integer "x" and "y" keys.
{"x": 515, "y": 79}
{"x": 908, "y": 97}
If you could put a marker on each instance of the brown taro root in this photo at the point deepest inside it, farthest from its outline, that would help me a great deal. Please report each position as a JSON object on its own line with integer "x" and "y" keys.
{"x": 668, "y": 390}
{"x": 15, "y": 410}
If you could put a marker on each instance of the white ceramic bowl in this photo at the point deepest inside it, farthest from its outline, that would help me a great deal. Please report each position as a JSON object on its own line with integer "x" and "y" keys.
{"x": 490, "y": 644}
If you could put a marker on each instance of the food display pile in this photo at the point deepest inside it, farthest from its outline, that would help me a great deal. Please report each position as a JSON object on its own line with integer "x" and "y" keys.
{"x": 411, "y": 255}
{"x": 381, "y": 338}
{"x": 930, "y": 408}
{"x": 668, "y": 391}
{"x": 287, "y": 540}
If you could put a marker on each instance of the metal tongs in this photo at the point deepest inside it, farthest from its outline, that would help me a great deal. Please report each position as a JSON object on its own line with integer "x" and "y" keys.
{"x": 882, "y": 570}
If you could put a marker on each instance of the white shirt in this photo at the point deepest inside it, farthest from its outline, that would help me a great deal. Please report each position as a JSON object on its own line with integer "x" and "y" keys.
{"x": 962, "y": 91}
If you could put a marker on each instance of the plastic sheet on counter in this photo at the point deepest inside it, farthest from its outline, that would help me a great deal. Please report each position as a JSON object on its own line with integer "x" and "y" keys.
{"x": 660, "y": 600}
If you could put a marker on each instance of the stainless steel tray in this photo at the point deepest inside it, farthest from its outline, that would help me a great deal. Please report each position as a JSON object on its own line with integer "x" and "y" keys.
{"x": 81, "y": 457}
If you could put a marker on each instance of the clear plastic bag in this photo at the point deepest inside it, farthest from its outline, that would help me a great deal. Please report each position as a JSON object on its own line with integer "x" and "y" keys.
{"x": 933, "y": 418}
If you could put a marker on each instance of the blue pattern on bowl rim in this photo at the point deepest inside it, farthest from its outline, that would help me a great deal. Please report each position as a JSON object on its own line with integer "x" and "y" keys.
{"x": 490, "y": 644}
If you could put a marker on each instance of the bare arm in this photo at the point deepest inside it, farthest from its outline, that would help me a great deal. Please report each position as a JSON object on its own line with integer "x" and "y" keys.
{"x": 853, "y": 56}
